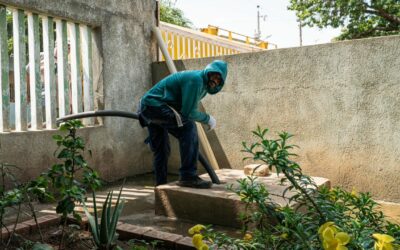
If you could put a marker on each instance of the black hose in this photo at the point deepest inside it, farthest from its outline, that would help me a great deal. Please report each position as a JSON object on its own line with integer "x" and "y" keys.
{"x": 132, "y": 115}
{"x": 98, "y": 113}
{"x": 210, "y": 170}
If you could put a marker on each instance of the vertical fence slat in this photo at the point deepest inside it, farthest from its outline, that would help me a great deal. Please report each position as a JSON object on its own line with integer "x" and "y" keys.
{"x": 49, "y": 76}
{"x": 199, "y": 47}
{"x": 86, "y": 35}
{"x": 189, "y": 48}
{"x": 194, "y": 54}
{"x": 173, "y": 46}
{"x": 76, "y": 82}
{"x": 4, "y": 71}
{"x": 163, "y": 34}
{"x": 34, "y": 71}
{"x": 184, "y": 49}
{"x": 62, "y": 67}
{"x": 19, "y": 71}
{"x": 178, "y": 47}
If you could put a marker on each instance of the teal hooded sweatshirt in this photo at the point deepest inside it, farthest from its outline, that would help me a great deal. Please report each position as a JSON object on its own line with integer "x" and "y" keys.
{"x": 184, "y": 90}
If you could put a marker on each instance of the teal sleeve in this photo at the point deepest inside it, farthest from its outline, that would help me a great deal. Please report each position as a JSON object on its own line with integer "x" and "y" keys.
{"x": 191, "y": 93}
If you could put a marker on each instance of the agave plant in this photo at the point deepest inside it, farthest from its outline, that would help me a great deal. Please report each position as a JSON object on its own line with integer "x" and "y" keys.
{"x": 104, "y": 234}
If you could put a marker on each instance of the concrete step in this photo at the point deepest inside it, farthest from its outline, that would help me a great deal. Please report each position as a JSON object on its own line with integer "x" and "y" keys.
{"x": 217, "y": 206}
{"x": 391, "y": 210}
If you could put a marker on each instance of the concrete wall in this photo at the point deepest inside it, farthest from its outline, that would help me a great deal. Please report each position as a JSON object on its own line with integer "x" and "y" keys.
{"x": 124, "y": 41}
{"x": 341, "y": 100}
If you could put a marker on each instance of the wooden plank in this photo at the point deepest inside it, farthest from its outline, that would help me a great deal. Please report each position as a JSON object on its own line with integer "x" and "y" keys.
{"x": 76, "y": 82}
{"x": 49, "y": 76}
{"x": 35, "y": 85}
{"x": 19, "y": 71}
{"x": 62, "y": 67}
{"x": 167, "y": 42}
{"x": 4, "y": 71}
{"x": 88, "y": 103}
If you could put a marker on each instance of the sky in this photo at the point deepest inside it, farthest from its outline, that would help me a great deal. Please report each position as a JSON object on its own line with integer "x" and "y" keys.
{"x": 241, "y": 16}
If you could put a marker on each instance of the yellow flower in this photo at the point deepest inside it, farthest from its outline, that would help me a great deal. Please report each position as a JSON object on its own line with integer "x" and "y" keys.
{"x": 196, "y": 229}
{"x": 383, "y": 242}
{"x": 247, "y": 237}
{"x": 284, "y": 236}
{"x": 203, "y": 247}
{"x": 197, "y": 240}
{"x": 354, "y": 193}
{"x": 332, "y": 239}
{"x": 326, "y": 225}
{"x": 243, "y": 195}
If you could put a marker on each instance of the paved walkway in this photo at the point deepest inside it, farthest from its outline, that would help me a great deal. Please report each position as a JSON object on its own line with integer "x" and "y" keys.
{"x": 139, "y": 208}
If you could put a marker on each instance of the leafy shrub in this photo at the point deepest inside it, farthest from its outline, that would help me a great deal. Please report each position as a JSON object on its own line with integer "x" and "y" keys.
{"x": 334, "y": 218}
{"x": 64, "y": 176}
{"x": 19, "y": 197}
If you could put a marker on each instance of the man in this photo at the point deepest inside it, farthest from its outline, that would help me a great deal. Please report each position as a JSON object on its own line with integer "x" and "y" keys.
{"x": 171, "y": 106}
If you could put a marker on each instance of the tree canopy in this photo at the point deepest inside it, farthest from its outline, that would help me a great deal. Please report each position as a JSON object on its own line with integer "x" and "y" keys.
{"x": 359, "y": 18}
{"x": 170, "y": 14}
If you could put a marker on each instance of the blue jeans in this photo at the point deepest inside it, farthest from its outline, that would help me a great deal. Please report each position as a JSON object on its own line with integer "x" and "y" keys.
{"x": 161, "y": 121}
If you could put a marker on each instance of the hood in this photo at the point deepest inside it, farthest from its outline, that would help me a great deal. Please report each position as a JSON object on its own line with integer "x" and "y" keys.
{"x": 220, "y": 67}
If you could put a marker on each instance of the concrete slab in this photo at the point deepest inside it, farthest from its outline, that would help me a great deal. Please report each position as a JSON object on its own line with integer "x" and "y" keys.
{"x": 217, "y": 206}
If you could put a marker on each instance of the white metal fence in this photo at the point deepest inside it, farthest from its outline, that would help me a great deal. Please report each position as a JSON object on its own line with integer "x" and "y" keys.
{"x": 45, "y": 70}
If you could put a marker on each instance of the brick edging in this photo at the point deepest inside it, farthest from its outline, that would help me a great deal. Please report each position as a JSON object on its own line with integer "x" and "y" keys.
{"x": 170, "y": 240}
{"x": 29, "y": 226}
{"x": 126, "y": 232}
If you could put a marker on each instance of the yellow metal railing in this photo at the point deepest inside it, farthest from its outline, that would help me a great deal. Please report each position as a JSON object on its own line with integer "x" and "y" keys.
{"x": 234, "y": 36}
{"x": 184, "y": 43}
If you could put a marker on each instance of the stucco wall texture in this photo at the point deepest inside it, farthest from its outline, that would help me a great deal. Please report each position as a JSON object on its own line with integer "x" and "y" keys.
{"x": 123, "y": 39}
{"x": 340, "y": 100}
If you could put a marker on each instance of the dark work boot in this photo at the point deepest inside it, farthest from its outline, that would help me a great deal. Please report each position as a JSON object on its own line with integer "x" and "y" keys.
{"x": 194, "y": 182}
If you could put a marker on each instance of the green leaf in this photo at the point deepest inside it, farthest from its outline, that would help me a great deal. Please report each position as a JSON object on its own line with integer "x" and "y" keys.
{"x": 57, "y": 137}
{"x": 41, "y": 246}
{"x": 93, "y": 223}
{"x": 104, "y": 225}
{"x": 119, "y": 205}
{"x": 65, "y": 153}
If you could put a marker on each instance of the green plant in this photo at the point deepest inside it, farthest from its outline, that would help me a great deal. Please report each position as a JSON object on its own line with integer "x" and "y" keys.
{"x": 333, "y": 218}
{"x": 68, "y": 188}
{"x": 105, "y": 235}
{"x": 170, "y": 14}
{"x": 18, "y": 197}
{"x": 136, "y": 244}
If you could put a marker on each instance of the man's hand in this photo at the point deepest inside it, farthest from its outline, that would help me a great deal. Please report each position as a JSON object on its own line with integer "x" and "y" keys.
{"x": 211, "y": 123}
